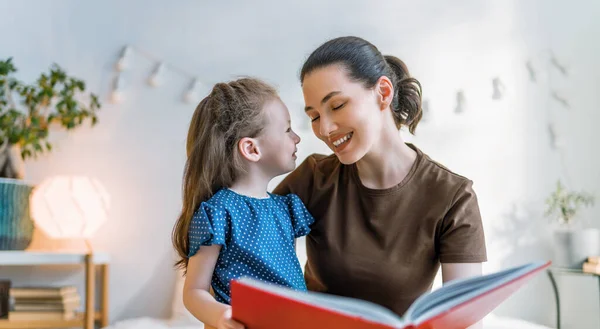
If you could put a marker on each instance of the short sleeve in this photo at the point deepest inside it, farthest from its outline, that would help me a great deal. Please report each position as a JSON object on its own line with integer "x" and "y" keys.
{"x": 208, "y": 227}
{"x": 462, "y": 238}
{"x": 301, "y": 218}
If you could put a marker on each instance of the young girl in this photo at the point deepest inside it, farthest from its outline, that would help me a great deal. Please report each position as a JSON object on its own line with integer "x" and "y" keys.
{"x": 230, "y": 226}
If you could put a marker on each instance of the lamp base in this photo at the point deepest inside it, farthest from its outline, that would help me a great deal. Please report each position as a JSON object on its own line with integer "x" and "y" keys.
{"x": 42, "y": 242}
{"x": 88, "y": 245}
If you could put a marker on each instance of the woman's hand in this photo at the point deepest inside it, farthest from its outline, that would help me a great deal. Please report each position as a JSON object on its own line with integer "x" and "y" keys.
{"x": 226, "y": 322}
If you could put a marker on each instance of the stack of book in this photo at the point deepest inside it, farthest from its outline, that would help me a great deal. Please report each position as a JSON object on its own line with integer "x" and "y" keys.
{"x": 592, "y": 265}
{"x": 4, "y": 298}
{"x": 43, "y": 303}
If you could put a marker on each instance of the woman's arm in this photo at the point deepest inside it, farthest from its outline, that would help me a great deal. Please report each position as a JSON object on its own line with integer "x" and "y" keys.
{"x": 196, "y": 291}
{"x": 453, "y": 271}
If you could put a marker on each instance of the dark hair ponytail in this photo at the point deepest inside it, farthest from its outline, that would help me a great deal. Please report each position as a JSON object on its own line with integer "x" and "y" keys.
{"x": 407, "y": 101}
{"x": 366, "y": 64}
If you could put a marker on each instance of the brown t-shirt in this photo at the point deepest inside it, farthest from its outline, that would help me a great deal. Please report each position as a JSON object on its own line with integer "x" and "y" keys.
{"x": 385, "y": 246}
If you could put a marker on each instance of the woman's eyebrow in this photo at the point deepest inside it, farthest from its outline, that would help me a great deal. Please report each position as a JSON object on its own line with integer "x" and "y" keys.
{"x": 324, "y": 100}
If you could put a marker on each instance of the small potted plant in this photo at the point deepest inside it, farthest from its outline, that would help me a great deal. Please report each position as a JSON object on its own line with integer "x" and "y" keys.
{"x": 573, "y": 241}
{"x": 27, "y": 112}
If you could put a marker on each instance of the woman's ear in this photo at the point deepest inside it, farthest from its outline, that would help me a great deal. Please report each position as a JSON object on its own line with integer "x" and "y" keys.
{"x": 384, "y": 89}
{"x": 248, "y": 148}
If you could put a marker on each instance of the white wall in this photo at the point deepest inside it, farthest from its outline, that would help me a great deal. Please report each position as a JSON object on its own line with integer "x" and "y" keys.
{"x": 137, "y": 149}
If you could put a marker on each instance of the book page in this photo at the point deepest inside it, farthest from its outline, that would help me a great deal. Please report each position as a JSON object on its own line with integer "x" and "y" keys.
{"x": 461, "y": 291}
{"x": 447, "y": 293}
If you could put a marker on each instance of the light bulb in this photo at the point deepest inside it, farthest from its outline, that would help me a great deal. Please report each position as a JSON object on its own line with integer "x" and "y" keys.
{"x": 191, "y": 95}
{"x": 123, "y": 61}
{"x": 117, "y": 93}
{"x": 460, "y": 102}
{"x": 155, "y": 78}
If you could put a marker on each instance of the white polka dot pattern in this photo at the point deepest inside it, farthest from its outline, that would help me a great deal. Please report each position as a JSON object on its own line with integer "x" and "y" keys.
{"x": 256, "y": 235}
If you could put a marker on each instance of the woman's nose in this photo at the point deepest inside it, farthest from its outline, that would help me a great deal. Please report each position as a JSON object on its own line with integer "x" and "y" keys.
{"x": 326, "y": 126}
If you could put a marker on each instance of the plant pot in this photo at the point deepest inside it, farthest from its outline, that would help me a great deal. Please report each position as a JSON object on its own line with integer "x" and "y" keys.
{"x": 573, "y": 246}
{"x": 16, "y": 226}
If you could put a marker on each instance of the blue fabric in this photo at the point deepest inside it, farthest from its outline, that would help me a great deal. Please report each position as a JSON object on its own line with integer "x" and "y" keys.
{"x": 256, "y": 238}
{"x": 16, "y": 225}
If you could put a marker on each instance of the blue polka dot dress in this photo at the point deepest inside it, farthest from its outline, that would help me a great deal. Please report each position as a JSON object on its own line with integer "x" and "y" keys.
{"x": 256, "y": 237}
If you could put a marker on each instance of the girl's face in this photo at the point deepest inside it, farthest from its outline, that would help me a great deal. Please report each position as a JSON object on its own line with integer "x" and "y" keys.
{"x": 344, "y": 114}
{"x": 278, "y": 141}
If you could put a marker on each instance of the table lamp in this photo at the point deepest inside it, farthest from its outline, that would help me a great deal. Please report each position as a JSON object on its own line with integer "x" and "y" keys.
{"x": 70, "y": 207}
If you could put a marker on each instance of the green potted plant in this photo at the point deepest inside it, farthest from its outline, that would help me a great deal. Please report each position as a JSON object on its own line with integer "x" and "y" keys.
{"x": 27, "y": 112}
{"x": 573, "y": 242}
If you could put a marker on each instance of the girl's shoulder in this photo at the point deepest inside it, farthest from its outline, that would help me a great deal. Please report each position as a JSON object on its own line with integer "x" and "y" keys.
{"x": 219, "y": 199}
{"x": 222, "y": 202}
{"x": 285, "y": 199}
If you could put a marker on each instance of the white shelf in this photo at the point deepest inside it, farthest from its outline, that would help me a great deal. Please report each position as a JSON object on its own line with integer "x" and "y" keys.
{"x": 48, "y": 258}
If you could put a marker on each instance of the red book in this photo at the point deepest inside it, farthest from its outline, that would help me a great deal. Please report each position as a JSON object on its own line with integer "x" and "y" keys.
{"x": 457, "y": 305}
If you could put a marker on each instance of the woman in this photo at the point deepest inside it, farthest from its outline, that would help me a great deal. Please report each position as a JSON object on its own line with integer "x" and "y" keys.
{"x": 386, "y": 214}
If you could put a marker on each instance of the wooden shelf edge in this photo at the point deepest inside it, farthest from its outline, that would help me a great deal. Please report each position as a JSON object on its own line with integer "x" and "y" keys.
{"x": 46, "y": 324}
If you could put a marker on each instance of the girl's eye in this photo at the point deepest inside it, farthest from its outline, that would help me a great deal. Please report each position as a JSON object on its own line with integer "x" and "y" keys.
{"x": 314, "y": 119}
{"x": 288, "y": 130}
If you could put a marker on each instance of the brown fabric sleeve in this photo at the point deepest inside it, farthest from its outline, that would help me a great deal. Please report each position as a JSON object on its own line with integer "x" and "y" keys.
{"x": 300, "y": 181}
{"x": 462, "y": 238}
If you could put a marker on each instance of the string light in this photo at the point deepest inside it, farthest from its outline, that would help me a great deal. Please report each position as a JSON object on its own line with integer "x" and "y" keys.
{"x": 425, "y": 109}
{"x": 156, "y": 76}
{"x": 123, "y": 61}
{"x": 555, "y": 140}
{"x": 460, "y": 102}
{"x": 498, "y": 87}
{"x": 117, "y": 93}
{"x": 192, "y": 95}
{"x": 531, "y": 71}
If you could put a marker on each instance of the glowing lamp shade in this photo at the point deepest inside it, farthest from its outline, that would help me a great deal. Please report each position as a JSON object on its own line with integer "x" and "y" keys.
{"x": 67, "y": 207}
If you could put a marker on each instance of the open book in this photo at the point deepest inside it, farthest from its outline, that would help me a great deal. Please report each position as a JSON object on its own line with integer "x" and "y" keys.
{"x": 458, "y": 304}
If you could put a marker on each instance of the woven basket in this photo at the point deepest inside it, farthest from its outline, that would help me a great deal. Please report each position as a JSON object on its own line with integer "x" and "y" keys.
{"x": 16, "y": 226}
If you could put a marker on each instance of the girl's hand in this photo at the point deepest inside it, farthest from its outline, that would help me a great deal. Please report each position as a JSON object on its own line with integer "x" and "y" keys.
{"x": 226, "y": 322}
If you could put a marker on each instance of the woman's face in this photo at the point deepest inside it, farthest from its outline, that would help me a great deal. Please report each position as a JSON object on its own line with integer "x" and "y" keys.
{"x": 344, "y": 114}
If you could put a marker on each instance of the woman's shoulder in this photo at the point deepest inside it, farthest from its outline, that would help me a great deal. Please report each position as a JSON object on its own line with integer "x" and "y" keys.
{"x": 312, "y": 172}
{"x": 321, "y": 163}
{"x": 314, "y": 165}
{"x": 442, "y": 178}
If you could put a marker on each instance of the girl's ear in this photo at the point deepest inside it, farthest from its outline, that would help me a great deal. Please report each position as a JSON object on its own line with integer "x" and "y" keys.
{"x": 384, "y": 89}
{"x": 248, "y": 148}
